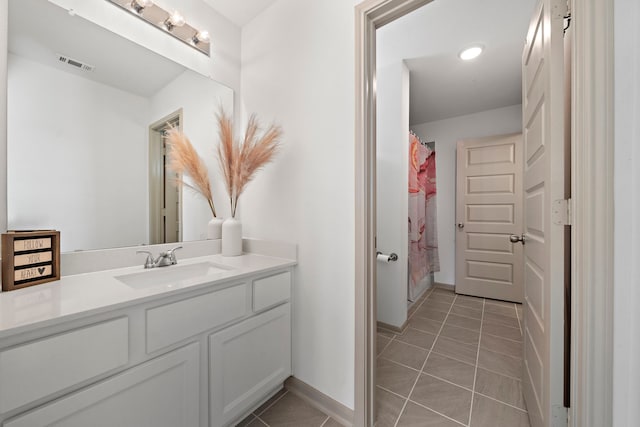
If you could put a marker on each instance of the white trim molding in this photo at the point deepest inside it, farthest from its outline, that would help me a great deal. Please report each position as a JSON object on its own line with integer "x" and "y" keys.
{"x": 592, "y": 234}
{"x": 369, "y": 15}
{"x": 592, "y": 190}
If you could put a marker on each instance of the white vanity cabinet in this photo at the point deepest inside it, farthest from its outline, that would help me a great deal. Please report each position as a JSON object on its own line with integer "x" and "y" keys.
{"x": 163, "y": 392}
{"x": 192, "y": 358}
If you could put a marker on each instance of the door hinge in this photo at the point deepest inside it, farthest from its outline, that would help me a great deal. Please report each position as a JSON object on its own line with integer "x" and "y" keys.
{"x": 560, "y": 416}
{"x": 562, "y": 211}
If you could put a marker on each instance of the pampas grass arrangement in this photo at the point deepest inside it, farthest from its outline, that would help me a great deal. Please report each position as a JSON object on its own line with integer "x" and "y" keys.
{"x": 240, "y": 162}
{"x": 184, "y": 160}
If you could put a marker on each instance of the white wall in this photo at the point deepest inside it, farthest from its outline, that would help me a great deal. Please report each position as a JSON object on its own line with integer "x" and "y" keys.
{"x": 298, "y": 69}
{"x": 392, "y": 153}
{"x": 626, "y": 352}
{"x": 446, "y": 133}
{"x": 199, "y": 98}
{"x": 93, "y": 181}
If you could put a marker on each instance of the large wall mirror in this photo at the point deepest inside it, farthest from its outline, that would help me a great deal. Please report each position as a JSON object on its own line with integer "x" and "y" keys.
{"x": 85, "y": 108}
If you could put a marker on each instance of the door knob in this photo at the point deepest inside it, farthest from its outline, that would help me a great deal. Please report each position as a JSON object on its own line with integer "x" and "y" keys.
{"x": 460, "y": 225}
{"x": 515, "y": 238}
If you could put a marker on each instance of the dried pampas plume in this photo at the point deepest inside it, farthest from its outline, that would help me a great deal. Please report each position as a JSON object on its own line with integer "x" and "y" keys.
{"x": 240, "y": 162}
{"x": 184, "y": 160}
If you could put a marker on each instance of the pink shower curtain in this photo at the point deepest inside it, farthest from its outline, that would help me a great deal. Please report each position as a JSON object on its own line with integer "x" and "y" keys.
{"x": 423, "y": 238}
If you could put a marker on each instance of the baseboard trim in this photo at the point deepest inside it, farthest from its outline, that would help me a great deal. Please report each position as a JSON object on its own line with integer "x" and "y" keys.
{"x": 321, "y": 401}
{"x": 393, "y": 328}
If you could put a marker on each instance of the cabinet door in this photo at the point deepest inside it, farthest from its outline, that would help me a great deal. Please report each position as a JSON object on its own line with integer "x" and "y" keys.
{"x": 247, "y": 361}
{"x": 161, "y": 392}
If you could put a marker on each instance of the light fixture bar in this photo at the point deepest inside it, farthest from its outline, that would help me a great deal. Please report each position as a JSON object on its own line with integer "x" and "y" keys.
{"x": 171, "y": 22}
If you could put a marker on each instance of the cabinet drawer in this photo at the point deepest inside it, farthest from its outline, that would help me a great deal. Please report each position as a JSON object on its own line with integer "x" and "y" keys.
{"x": 271, "y": 290}
{"x": 164, "y": 392}
{"x": 174, "y": 322}
{"x": 37, "y": 369}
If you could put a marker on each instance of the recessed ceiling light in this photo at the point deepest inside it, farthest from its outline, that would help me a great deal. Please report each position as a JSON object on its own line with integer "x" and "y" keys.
{"x": 470, "y": 53}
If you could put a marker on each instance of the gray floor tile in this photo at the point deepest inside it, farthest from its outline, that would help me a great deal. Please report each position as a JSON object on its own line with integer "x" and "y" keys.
{"x": 500, "y": 363}
{"x": 332, "y": 423}
{"x": 396, "y": 378}
{"x": 489, "y": 413}
{"x": 417, "y": 416}
{"x": 430, "y": 313}
{"x": 417, "y": 338}
{"x": 389, "y": 407}
{"x": 425, "y": 325}
{"x": 466, "y": 336}
{"x": 501, "y": 309}
{"x": 504, "y": 389}
{"x": 442, "y": 397}
{"x": 270, "y": 402}
{"x": 386, "y": 333}
{"x": 502, "y": 331}
{"x": 248, "y": 421}
{"x": 405, "y": 354}
{"x": 463, "y": 322}
{"x": 441, "y": 297}
{"x": 257, "y": 422}
{"x": 436, "y": 305}
{"x": 451, "y": 370}
{"x": 467, "y": 301}
{"x": 381, "y": 343}
{"x": 461, "y": 310}
{"x": 292, "y": 411}
{"x": 501, "y": 319}
{"x": 443, "y": 290}
{"x": 501, "y": 345}
{"x": 499, "y": 302}
{"x": 456, "y": 350}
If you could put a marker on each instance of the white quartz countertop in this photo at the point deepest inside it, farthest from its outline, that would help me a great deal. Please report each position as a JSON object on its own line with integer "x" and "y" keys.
{"x": 85, "y": 294}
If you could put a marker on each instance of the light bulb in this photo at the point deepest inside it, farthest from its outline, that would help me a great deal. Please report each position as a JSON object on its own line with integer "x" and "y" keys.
{"x": 176, "y": 19}
{"x": 201, "y": 36}
{"x": 139, "y": 5}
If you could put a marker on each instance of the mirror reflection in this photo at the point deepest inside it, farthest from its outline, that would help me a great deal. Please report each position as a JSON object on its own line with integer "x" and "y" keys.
{"x": 86, "y": 112}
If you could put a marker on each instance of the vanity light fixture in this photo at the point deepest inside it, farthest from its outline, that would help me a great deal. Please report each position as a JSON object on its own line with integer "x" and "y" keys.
{"x": 201, "y": 37}
{"x": 470, "y": 53}
{"x": 171, "y": 22}
{"x": 139, "y": 5}
{"x": 175, "y": 19}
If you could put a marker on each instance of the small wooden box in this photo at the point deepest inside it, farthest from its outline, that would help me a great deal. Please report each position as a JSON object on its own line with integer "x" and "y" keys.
{"x": 30, "y": 258}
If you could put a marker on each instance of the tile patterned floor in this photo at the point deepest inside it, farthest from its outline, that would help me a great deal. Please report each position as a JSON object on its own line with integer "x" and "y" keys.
{"x": 285, "y": 409}
{"x": 457, "y": 363}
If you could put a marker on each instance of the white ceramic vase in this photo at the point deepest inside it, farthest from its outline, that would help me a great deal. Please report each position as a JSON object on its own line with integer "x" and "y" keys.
{"x": 214, "y": 228}
{"x": 231, "y": 237}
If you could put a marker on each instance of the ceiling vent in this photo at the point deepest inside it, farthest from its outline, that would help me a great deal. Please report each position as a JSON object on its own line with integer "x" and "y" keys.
{"x": 75, "y": 63}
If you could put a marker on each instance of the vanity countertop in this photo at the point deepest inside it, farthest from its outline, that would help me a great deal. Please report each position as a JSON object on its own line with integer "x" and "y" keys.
{"x": 86, "y": 294}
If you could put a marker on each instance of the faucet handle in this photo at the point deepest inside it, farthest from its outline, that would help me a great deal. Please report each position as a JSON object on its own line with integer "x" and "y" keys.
{"x": 172, "y": 255}
{"x": 149, "y": 261}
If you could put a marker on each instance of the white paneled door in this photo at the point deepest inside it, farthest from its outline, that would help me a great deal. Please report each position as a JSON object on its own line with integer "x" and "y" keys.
{"x": 489, "y": 212}
{"x": 543, "y": 129}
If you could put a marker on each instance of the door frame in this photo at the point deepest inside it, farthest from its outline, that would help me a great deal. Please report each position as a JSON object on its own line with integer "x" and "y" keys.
{"x": 157, "y": 179}
{"x": 592, "y": 214}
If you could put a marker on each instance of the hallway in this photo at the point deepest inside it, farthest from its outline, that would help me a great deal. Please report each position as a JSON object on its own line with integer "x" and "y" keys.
{"x": 458, "y": 362}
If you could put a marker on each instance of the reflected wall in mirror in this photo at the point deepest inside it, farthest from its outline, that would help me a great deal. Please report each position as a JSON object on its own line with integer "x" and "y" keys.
{"x": 79, "y": 131}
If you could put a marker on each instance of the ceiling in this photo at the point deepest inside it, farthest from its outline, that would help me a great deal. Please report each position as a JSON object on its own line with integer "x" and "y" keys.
{"x": 429, "y": 41}
{"x": 40, "y": 31}
{"x": 240, "y": 12}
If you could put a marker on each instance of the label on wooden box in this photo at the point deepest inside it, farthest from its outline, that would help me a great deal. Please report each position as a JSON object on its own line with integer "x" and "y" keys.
{"x": 30, "y": 258}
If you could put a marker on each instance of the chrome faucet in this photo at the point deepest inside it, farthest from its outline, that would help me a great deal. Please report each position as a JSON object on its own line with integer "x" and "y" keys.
{"x": 164, "y": 259}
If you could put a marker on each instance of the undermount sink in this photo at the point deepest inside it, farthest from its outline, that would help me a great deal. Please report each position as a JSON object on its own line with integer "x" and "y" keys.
{"x": 174, "y": 275}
